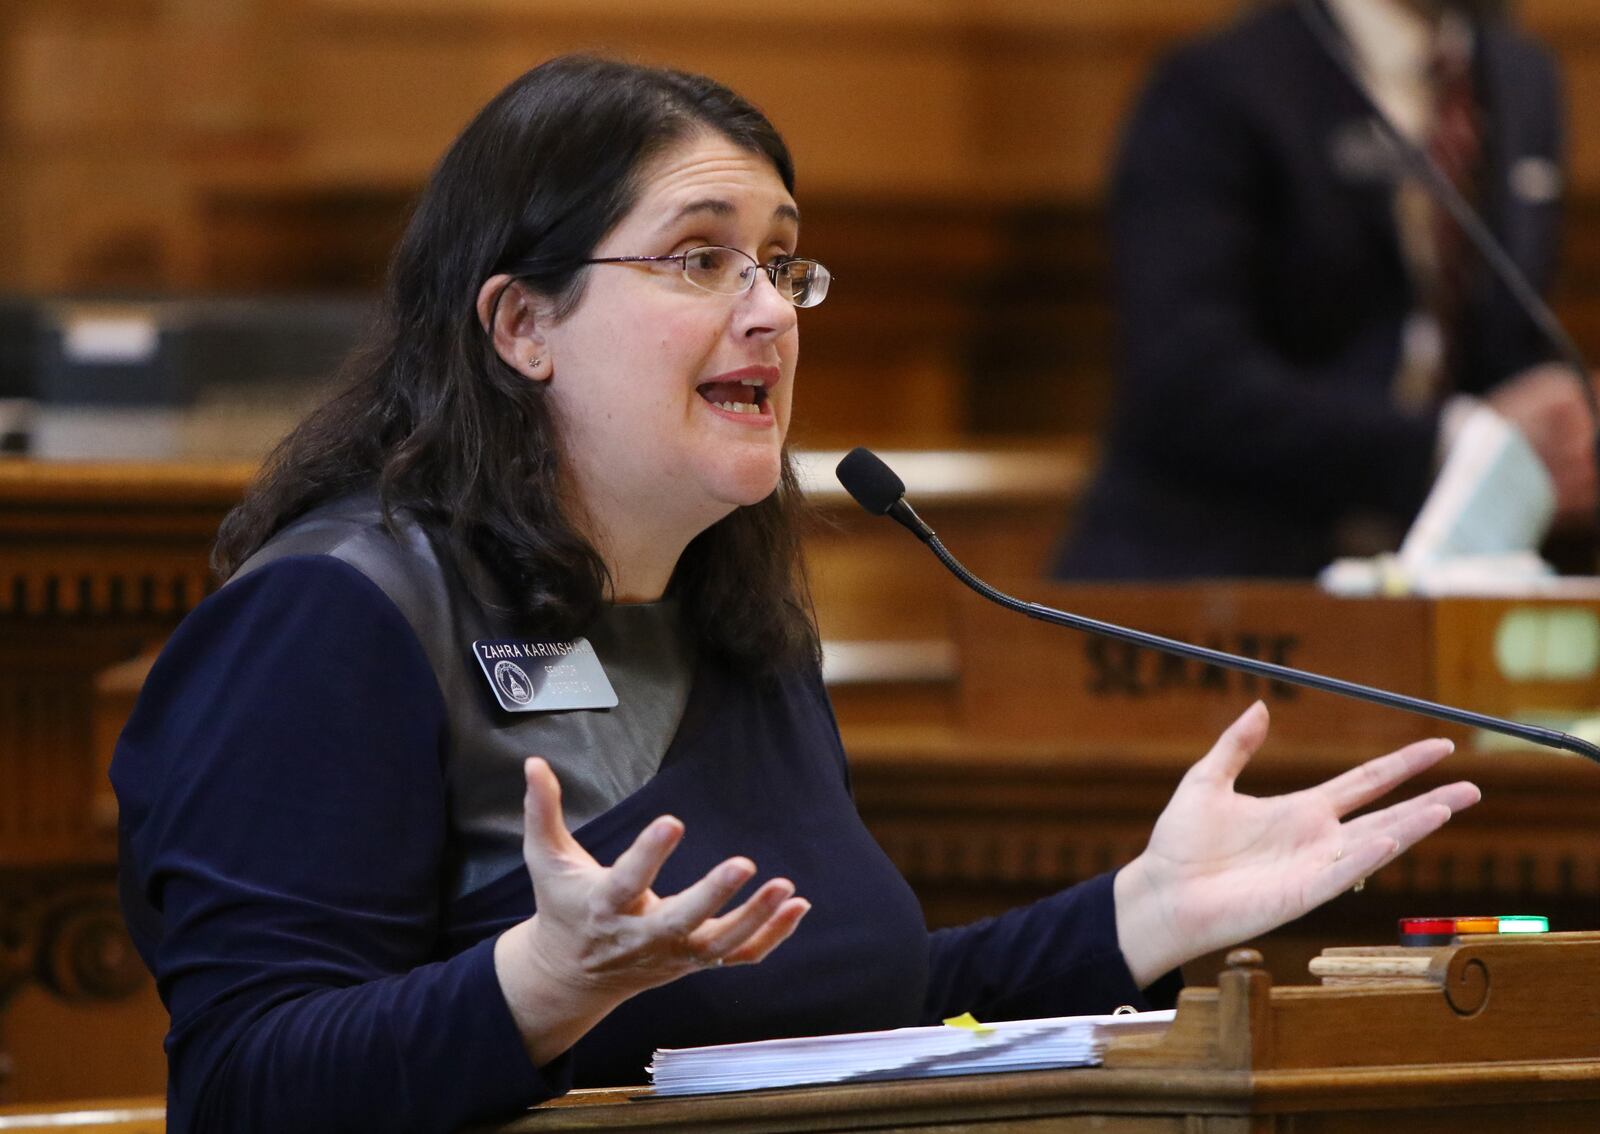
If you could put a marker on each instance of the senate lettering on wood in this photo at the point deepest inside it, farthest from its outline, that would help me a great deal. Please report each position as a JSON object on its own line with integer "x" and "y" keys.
{"x": 1529, "y": 659}
{"x": 1118, "y": 669}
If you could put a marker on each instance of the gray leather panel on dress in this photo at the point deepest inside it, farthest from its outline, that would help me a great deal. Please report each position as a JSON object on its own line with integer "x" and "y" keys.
{"x": 600, "y": 756}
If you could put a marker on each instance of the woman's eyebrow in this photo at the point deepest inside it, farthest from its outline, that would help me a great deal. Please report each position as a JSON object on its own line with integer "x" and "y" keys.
{"x": 719, "y": 207}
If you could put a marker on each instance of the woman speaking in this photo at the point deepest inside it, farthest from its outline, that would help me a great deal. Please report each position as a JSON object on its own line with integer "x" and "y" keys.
{"x": 502, "y": 757}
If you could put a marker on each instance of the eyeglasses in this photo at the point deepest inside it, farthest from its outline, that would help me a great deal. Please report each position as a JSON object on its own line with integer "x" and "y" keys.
{"x": 728, "y": 271}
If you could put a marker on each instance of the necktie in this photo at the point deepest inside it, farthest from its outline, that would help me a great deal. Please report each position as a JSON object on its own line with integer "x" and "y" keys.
{"x": 1456, "y": 144}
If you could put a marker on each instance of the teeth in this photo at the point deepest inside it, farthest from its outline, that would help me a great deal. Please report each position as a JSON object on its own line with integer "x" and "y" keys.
{"x": 738, "y": 407}
{"x": 751, "y": 382}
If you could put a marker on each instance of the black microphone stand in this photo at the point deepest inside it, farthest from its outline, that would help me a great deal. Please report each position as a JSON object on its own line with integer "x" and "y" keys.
{"x": 906, "y": 516}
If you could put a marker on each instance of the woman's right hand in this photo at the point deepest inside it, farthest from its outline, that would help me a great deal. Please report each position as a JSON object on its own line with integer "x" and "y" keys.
{"x": 601, "y": 934}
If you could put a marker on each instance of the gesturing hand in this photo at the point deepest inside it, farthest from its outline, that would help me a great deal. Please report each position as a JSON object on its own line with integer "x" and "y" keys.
{"x": 1223, "y": 867}
{"x": 601, "y": 934}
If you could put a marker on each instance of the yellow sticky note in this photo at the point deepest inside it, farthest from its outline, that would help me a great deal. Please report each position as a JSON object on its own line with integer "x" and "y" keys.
{"x": 966, "y": 1020}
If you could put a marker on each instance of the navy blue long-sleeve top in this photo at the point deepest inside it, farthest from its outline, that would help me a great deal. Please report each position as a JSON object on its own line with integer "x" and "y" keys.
{"x": 285, "y": 833}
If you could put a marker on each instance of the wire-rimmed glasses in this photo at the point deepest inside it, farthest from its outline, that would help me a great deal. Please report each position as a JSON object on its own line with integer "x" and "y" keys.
{"x": 728, "y": 271}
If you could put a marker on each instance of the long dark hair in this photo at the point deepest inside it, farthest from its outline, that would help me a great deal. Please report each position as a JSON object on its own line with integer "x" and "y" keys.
{"x": 464, "y": 444}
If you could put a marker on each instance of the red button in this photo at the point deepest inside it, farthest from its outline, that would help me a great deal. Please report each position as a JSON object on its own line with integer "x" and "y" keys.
{"x": 1412, "y": 926}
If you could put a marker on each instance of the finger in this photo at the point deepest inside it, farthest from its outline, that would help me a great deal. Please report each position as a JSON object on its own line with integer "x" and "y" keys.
{"x": 775, "y": 932}
{"x": 1361, "y": 859}
{"x": 1233, "y": 749}
{"x": 1361, "y": 785}
{"x": 1369, "y": 854}
{"x": 1456, "y": 796}
{"x": 684, "y": 911}
{"x": 544, "y": 831}
{"x": 1412, "y": 826}
{"x": 635, "y": 870}
{"x": 719, "y": 936}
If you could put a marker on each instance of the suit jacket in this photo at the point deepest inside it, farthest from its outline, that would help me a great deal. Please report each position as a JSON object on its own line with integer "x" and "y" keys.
{"x": 1262, "y": 292}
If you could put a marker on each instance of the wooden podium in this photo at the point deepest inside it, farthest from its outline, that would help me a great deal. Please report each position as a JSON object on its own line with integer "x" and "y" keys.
{"x": 1061, "y": 749}
{"x": 1532, "y": 657}
{"x": 1495, "y": 1034}
{"x": 1500, "y": 1034}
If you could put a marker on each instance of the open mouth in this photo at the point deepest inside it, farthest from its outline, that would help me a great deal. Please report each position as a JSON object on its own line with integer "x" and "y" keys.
{"x": 747, "y": 395}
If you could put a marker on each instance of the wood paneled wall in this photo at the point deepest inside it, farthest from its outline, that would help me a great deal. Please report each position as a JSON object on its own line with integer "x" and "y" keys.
{"x": 125, "y": 122}
{"x": 247, "y": 145}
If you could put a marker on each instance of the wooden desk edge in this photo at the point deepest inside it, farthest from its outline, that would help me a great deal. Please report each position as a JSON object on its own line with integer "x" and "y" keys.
{"x": 1070, "y": 1091}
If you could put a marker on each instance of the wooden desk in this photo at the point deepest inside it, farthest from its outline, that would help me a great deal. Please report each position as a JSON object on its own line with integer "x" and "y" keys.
{"x": 1497, "y": 1034}
{"x": 1056, "y": 754}
{"x": 1528, "y": 657}
{"x": 143, "y": 1115}
{"x": 1500, "y": 1035}
{"x": 1556, "y": 1097}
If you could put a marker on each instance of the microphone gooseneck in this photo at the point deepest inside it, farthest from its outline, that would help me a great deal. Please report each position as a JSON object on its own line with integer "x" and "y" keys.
{"x": 860, "y": 474}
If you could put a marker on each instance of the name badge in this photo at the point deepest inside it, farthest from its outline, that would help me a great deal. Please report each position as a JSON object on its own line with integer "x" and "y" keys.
{"x": 542, "y": 677}
{"x": 1362, "y": 154}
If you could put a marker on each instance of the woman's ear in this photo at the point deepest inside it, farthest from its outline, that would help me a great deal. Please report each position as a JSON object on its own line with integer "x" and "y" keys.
{"x": 509, "y": 312}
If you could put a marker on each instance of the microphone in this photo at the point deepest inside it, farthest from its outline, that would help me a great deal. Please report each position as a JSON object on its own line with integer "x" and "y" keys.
{"x": 876, "y": 488}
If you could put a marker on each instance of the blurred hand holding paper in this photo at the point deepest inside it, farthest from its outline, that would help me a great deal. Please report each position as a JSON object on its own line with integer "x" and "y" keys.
{"x": 1480, "y": 528}
{"x": 1492, "y": 497}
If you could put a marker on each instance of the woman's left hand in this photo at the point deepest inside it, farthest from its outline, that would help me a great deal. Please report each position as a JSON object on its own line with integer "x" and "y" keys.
{"x": 1223, "y": 867}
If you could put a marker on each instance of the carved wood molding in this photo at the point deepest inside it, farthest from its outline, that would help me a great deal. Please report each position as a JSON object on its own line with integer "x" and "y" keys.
{"x": 110, "y": 540}
{"x": 998, "y": 851}
{"x": 110, "y": 591}
{"x": 1030, "y": 822}
{"x": 64, "y": 932}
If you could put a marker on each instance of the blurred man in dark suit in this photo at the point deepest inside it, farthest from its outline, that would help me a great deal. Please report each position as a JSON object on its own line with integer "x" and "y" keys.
{"x": 1303, "y": 328}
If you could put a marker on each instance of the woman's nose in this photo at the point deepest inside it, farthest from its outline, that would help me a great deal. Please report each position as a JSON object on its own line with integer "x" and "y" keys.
{"x": 763, "y": 311}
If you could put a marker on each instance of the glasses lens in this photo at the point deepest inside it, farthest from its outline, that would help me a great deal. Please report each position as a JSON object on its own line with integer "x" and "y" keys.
{"x": 805, "y": 282}
{"x": 717, "y": 269}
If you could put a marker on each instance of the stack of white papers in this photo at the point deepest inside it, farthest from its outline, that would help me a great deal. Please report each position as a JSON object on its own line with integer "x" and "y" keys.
{"x": 903, "y": 1053}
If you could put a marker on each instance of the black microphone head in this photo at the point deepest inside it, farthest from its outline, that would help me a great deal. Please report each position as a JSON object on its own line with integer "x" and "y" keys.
{"x": 872, "y": 483}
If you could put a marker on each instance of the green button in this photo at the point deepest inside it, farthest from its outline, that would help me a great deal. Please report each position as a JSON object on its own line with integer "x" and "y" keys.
{"x": 1524, "y": 924}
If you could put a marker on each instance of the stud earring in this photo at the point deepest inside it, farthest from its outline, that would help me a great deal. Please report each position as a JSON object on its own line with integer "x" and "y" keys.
{"x": 533, "y": 363}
